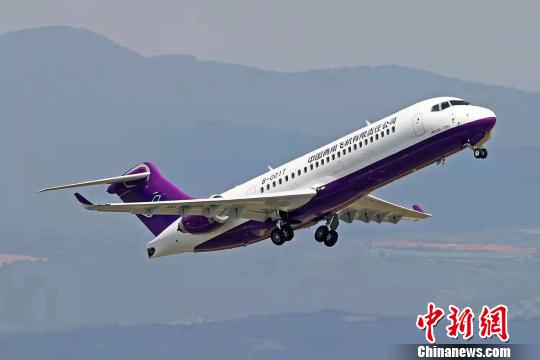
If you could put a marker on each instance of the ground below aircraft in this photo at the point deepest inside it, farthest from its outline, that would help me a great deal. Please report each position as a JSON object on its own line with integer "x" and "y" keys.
{"x": 331, "y": 184}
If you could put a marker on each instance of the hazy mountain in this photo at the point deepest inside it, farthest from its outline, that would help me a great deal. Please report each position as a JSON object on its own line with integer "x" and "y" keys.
{"x": 74, "y": 105}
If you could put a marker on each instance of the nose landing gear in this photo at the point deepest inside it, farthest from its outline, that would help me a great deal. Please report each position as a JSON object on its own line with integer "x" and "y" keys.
{"x": 480, "y": 153}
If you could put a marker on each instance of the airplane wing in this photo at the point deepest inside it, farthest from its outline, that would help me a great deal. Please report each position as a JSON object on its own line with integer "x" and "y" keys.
{"x": 371, "y": 208}
{"x": 254, "y": 207}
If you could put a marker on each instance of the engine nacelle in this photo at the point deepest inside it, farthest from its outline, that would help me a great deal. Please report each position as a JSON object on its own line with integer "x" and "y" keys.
{"x": 199, "y": 224}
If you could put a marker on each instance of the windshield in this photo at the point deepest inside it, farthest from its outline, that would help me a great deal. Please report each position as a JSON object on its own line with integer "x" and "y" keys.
{"x": 458, "y": 102}
{"x": 446, "y": 104}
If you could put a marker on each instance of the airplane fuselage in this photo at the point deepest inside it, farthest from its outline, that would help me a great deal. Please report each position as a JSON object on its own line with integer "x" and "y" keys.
{"x": 343, "y": 171}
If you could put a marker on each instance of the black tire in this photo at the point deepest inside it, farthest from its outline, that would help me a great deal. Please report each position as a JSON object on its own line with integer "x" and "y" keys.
{"x": 321, "y": 233}
{"x": 484, "y": 153}
{"x": 478, "y": 153}
{"x": 278, "y": 236}
{"x": 331, "y": 239}
{"x": 289, "y": 233}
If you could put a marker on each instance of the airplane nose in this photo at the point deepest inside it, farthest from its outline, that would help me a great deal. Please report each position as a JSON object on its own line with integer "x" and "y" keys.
{"x": 490, "y": 118}
{"x": 489, "y": 114}
{"x": 485, "y": 117}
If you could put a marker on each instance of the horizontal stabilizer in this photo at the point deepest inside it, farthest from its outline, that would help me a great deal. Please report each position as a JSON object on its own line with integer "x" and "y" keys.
{"x": 111, "y": 180}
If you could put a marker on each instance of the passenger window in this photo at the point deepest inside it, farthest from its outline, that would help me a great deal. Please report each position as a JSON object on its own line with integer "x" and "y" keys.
{"x": 349, "y": 149}
{"x": 327, "y": 159}
{"x": 371, "y": 139}
{"x": 333, "y": 156}
{"x": 376, "y": 136}
{"x": 262, "y": 190}
{"x": 387, "y": 131}
{"x": 393, "y": 129}
{"x": 316, "y": 164}
{"x": 365, "y": 142}
{"x": 311, "y": 166}
{"x": 280, "y": 181}
{"x": 339, "y": 154}
{"x": 286, "y": 178}
{"x": 444, "y": 105}
{"x": 305, "y": 169}
{"x": 322, "y": 161}
{"x": 273, "y": 184}
{"x": 267, "y": 186}
{"x": 344, "y": 151}
{"x": 382, "y": 134}
{"x": 360, "y": 144}
{"x": 355, "y": 146}
{"x": 299, "y": 172}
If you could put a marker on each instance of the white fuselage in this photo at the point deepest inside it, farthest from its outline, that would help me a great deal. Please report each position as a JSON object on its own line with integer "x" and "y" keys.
{"x": 322, "y": 166}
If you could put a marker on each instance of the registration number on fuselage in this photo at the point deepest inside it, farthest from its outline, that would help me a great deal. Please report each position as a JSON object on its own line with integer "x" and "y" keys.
{"x": 274, "y": 176}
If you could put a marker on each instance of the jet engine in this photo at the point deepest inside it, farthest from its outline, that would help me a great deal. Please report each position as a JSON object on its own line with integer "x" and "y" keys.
{"x": 200, "y": 224}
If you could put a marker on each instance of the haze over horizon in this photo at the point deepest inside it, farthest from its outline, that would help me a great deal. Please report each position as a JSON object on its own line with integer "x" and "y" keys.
{"x": 486, "y": 41}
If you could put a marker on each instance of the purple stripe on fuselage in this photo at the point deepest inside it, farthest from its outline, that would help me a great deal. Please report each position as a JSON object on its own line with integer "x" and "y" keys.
{"x": 344, "y": 191}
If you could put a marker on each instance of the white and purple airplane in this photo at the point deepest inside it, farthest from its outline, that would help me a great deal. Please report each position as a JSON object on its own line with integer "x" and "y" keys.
{"x": 330, "y": 184}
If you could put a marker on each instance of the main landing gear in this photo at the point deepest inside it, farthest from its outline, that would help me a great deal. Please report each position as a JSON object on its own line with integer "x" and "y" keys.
{"x": 281, "y": 234}
{"x": 480, "y": 153}
{"x": 327, "y": 234}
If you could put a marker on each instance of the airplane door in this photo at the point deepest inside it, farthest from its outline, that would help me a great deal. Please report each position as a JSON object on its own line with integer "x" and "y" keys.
{"x": 418, "y": 124}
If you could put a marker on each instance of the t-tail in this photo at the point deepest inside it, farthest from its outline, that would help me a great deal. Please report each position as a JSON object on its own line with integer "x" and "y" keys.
{"x": 142, "y": 183}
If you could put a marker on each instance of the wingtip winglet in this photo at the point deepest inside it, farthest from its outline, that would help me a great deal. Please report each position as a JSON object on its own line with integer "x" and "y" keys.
{"x": 84, "y": 201}
{"x": 417, "y": 208}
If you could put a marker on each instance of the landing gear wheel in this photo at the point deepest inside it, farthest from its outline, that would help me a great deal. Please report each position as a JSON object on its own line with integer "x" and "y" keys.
{"x": 289, "y": 233}
{"x": 278, "y": 236}
{"x": 484, "y": 153}
{"x": 321, "y": 233}
{"x": 331, "y": 239}
{"x": 478, "y": 153}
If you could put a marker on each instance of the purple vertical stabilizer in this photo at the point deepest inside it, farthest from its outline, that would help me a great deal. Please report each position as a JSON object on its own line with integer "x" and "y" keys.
{"x": 153, "y": 188}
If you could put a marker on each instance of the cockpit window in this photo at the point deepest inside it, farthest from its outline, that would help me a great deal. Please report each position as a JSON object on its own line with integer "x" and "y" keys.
{"x": 447, "y": 104}
{"x": 459, "y": 102}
